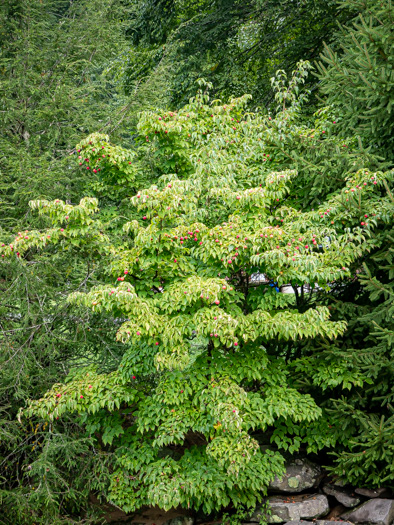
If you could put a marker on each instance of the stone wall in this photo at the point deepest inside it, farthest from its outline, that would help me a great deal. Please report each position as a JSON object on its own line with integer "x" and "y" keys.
{"x": 305, "y": 495}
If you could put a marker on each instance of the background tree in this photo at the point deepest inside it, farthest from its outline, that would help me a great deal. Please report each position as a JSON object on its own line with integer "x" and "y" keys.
{"x": 236, "y": 45}
{"x": 356, "y": 76}
{"x": 55, "y": 90}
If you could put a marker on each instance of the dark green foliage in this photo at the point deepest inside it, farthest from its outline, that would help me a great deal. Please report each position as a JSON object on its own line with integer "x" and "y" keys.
{"x": 54, "y": 90}
{"x": 237, "y": 45}
{"x": 358, "y": 75}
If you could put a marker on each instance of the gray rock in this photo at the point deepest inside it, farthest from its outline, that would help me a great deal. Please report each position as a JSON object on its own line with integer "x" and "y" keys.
{"x": 376, "y": 511}
{"x": 298, "y": 522}
{"x": 180, "y": 520}
{"x": 374, "y": 493}
{"x": 342, "y": 496}
{"x": 325, "y": 522}
{"x": 317, "y": 522}
{"x": 293, "y": 508}
{"x": 300, "y": 474}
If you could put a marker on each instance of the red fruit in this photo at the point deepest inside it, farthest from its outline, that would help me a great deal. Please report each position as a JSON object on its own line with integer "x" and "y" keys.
{"x": 144, "y": 218}
{"x": 81, "y": 397}
{"x": 175, "y": 260}
{"x": 217, "y": 301}
{"x": 362, "y": 224}
{"x": 133, "y": 377}
{"x": 126, "y": 272}
{"x": 181, "y": 391}
{"x": 157, "y": 344}
{"x": 138, "y": 333}
{"x": 90, "y": 386}
{"x": 365, "y": 216}
{"x": 235, "y": 344}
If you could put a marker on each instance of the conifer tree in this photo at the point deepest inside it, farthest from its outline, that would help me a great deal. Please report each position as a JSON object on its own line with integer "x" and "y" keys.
{"x": 54, "y": 91}
{"x": 358, "y": 78}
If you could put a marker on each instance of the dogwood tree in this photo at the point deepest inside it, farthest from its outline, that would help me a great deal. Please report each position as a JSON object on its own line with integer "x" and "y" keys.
{"x": 202, "y": 402}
